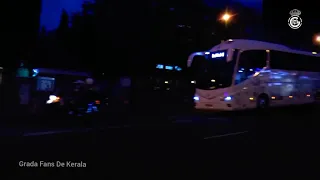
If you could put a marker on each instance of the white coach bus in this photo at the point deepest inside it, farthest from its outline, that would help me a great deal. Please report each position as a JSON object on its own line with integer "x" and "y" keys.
{"x": 246, "y": 74}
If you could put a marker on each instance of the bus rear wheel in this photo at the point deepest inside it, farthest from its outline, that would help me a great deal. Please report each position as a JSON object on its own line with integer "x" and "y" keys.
{"x": 263, "y": 101}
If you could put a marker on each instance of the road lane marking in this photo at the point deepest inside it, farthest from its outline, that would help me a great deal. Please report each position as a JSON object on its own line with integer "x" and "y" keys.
{"x": 225, "y": 135}
{"x": 183, "y": 121}
{"x": 42, "y": 133}
{"x": 46, "y": 133}
{"x": 172, "y": 117}
{"x": 218, "y": 118}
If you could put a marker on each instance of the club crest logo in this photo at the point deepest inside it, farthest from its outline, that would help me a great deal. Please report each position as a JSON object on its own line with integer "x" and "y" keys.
{"x": 295, "y": 20}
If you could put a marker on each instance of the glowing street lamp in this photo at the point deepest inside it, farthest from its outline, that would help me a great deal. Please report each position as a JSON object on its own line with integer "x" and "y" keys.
{"x": 226, "y": 17}
{"x": 317, "y": 39}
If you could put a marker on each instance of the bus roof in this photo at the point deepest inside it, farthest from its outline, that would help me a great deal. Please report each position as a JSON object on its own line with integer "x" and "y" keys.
{"x": 60, "y": 72}
{"x": 245, "y": 44}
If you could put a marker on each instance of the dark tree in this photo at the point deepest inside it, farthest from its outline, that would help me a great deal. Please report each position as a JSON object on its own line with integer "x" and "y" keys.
{"x": 82, "y": 39}
{"x": 71, "y": 45}
{"x": 52, "y": 46}
{"x": 64, "y": 25}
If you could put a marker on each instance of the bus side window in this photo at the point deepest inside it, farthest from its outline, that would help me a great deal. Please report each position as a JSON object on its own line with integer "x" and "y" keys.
{"x": 296, "y": 62}
{"x": 250, "y": 61}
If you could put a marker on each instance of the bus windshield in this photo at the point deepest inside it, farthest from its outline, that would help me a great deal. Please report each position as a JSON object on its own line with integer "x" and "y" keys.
{"x": 213, "y": 71}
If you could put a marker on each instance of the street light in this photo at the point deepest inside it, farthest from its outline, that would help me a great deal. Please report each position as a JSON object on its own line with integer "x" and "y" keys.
{"x": 226, "y": 17}
{"x": 317, "y": 38}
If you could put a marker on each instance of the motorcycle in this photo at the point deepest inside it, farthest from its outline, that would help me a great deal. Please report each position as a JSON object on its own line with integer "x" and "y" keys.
{"x": 58, "y": 105}
{"x": 55, "y": 105}
{"x": 84, "y": 110}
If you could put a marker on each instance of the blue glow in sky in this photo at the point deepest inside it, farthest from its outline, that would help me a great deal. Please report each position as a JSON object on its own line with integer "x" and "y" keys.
{"x": 256, "y": 4}
{"x": 51, "y": 9}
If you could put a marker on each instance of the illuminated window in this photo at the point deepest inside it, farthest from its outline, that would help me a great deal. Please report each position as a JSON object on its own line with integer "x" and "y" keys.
{"x": 159, "y": 66}
{"x": 23, "y": 72}
{"x": 45, "y": 84}
{"x": 177, "y": 68}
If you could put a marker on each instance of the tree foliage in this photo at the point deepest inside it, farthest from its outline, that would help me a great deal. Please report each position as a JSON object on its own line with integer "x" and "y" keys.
{"x": 132, "y": 36}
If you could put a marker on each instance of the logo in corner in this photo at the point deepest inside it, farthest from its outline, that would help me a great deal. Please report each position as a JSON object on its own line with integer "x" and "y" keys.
{"x": 295, "y": 20}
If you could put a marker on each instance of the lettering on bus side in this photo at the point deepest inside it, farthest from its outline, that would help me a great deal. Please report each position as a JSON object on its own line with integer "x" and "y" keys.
{"x": 217, "y": 55}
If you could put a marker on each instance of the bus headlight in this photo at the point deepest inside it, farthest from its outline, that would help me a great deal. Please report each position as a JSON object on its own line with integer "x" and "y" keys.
{"x": 196, "y": 98}
{"x": 228, "y": 98}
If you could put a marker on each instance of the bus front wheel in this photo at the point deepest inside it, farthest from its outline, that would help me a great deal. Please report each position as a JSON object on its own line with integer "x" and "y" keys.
{"x": 263, "y": 101}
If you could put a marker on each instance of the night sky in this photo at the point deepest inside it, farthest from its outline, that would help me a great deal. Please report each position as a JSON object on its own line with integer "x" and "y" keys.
{"x": 51, "y": 9}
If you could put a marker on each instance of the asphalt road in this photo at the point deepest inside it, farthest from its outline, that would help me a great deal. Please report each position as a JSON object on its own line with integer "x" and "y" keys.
{"x": 278, "y": 142}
